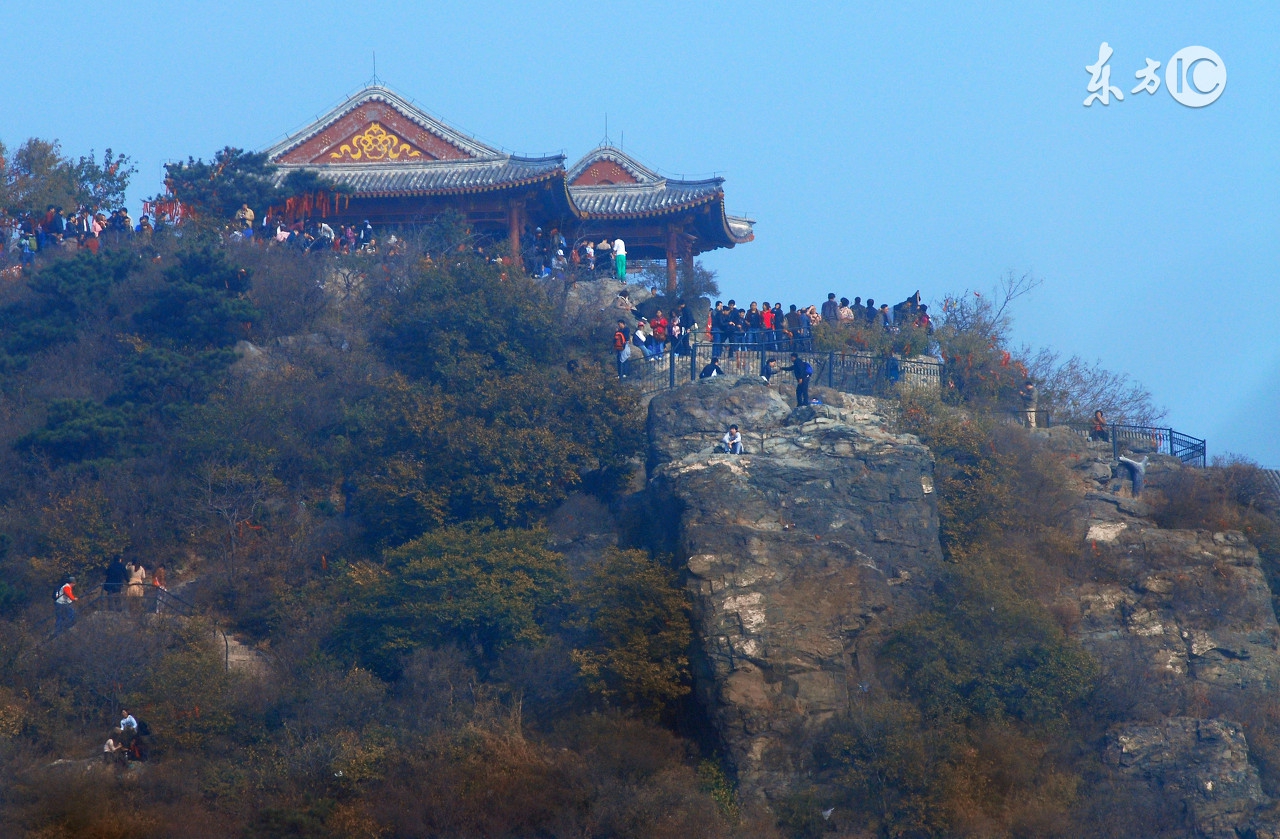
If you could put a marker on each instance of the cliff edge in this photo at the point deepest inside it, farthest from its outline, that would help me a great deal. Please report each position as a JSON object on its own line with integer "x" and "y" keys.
{"x": 800, "y": 555}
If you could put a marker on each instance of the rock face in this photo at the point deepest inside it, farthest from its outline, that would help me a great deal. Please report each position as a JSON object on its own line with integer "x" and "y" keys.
{"x": 800, "y": 555}
{"x": 1202, "y": 763}
{"x": 1182, "y": 624}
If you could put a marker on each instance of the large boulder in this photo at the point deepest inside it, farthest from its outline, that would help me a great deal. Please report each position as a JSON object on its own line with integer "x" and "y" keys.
{"x": 800, "y": 556}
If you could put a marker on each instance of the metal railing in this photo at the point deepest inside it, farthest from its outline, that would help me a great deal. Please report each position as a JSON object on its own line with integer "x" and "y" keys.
{"x": 1145, "y": 439}
{"x": 153, "y": 601}
{"x": 861, "y": 373}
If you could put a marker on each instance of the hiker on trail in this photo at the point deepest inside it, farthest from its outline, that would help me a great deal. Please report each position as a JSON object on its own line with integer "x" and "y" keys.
{"x": 711, "y": 370}
{"x": 117, "y": 576}
{"x": 64, "y": 612}
{"x": 1137, "y": 471}
{"x": 803, "y": 372}
{"x": 159, "y": 583}
{"x": 1099, "y": 429}
{"x": 767, "y": 370}
{"x": 137, "y": 577}
{"x": 733, "y": 441}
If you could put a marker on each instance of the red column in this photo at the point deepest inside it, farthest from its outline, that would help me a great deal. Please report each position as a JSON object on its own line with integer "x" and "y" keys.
{"x": 514, "y": 223}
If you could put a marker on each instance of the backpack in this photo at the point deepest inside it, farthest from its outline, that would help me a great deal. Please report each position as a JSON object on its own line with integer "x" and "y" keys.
{"x": 808, "y": 370}
{"x": 619, "y": 341}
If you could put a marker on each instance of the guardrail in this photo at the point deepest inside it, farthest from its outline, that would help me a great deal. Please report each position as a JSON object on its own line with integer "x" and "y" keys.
{"x": 153, "y": 601}
{"x": 1192, "y": 451}
{"x": 861, "y": 373}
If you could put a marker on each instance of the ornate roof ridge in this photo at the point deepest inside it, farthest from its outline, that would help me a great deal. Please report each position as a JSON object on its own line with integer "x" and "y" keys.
{"x": 643, "y": 174}
{"x": 550, "y": 162}
{"x": 380, "y": 93}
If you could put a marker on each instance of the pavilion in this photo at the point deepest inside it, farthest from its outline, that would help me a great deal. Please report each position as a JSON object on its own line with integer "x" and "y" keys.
{"x": 399, "y": 165}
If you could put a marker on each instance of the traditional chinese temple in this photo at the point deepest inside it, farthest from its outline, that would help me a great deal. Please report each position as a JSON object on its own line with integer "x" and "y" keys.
{"x": 399, "y": 165}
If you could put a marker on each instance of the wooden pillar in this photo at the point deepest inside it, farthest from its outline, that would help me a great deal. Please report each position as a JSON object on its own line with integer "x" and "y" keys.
{"x": 515, "y": 221}
{"x": 672, "y": 281}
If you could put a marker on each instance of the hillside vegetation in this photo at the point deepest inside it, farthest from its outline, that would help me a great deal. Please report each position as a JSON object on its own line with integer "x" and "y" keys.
{"x": 354, "y": 464}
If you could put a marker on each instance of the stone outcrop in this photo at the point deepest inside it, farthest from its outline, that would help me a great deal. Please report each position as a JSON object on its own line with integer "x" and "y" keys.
{"x": 800, "y": 555}
{"x": 1182, "y": 625}
{"x": 1201, "y": 763}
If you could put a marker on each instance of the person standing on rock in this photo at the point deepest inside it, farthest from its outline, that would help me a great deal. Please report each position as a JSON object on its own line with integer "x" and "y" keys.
{"x": 622, "y": 348}
{"x": 803, "y": 371}
{"x": 620, "y": 257}
{"x": 1099, "y": 429}
{"x": 688, "y": 325}
{"x": 1030, "y": 399}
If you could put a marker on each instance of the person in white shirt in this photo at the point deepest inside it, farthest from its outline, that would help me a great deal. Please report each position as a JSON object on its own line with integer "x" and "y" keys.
{"x": 733, "y": 441}
{"x": 620, "y": 258}
{"x": 127, "y": 721}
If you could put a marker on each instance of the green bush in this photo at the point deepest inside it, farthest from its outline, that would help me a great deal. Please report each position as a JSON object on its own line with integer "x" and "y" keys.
{"x": 481, "y": 589}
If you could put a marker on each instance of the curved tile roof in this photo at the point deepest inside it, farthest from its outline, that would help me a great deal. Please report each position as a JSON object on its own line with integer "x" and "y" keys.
{"x": 485, "y": 168}
{"x": 644, "y": 199}
{"x": 440, "y": 177}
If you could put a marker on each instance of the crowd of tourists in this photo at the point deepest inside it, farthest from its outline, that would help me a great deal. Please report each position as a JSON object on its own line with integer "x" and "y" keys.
{"x": 548, "y": 255}
{"x": 763, "y": 326}
{"x": 125, "y": 586}
{"x": 25, "y": 235}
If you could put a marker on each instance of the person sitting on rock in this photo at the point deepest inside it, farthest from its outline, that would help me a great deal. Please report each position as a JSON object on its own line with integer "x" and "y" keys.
{"x": 732, "y": 441}
{"x": 712, "y": 369}
{"x": 113, "y": 751}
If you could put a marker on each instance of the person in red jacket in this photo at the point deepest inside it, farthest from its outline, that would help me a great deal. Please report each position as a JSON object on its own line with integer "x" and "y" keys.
{"x": 64, "y": 612}
{"x": 659, "y": 323}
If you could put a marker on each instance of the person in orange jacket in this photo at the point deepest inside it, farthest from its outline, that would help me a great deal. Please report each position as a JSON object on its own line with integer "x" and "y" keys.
{"x": 64, "y": 610}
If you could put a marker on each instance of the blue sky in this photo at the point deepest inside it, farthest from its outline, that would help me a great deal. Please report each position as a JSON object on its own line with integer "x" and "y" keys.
{"x": 881, "y": 150}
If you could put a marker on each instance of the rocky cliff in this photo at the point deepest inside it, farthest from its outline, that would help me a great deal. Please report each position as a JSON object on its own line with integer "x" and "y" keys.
{"x": 800, "y": 555}
{"x": 1182, "y": 623}
{"x": 804, "y": 552}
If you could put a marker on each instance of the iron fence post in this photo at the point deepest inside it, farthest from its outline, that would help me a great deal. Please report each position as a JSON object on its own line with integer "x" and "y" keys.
{"x": 671, "y": 366}
{"x": 831, "y": 369}
{"x": 1115, "y": 444}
